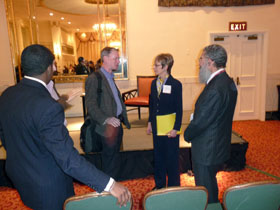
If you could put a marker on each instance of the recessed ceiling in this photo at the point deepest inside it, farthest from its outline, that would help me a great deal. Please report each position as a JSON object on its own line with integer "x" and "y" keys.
{"x": 82, "y": 15}
{"x": 79, "y": 7}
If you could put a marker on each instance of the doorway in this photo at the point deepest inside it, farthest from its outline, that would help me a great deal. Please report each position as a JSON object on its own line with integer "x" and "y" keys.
{"x": 247, "y": 66}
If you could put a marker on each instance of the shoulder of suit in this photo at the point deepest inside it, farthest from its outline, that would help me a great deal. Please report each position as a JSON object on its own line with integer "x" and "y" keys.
{"x": 174, "y": 80}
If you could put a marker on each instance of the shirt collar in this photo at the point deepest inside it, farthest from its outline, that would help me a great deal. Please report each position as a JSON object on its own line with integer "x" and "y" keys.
{"x": 35, "y": 79}
{"x": 163, "y": 81}
{"x": 214, "y": 74}
{"x": 107, "y": 74}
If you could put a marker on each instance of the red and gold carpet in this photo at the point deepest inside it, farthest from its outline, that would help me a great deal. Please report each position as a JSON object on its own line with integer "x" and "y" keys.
{"x": 262, "y": 154}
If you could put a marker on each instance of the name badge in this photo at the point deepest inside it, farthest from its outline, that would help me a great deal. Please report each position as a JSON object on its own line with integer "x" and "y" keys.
{"x": 166, "y": 89}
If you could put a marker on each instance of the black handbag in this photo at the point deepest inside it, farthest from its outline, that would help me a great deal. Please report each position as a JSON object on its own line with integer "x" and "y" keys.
{"x": 90, "y": 141}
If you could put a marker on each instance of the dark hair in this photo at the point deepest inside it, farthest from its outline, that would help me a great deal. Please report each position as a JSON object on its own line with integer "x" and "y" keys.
{"x": 35, "y": 59}
{"x": 165, "y": 59}
{"x": 216, "y": 53}
{"x": 106, "y": 51}
{"x": 80, "y": 59}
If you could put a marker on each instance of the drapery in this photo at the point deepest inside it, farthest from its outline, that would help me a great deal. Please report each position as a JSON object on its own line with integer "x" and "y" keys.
{"x": 88, "y": 46}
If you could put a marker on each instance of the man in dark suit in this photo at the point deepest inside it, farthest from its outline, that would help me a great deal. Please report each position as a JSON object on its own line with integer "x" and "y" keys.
{"x": 41, "y": 159}
{"x": 210, "y": 129}
{"x": 81, "y": 68}
{"x": 111, "y": 112}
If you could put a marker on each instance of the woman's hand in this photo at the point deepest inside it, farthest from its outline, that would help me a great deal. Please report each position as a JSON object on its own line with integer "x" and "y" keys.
{"x": 149, "y": 128}
{"x": 172, "y": 134}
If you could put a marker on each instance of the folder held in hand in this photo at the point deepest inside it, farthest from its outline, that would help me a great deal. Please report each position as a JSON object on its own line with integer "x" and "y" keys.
{"x": 165, "y": 123}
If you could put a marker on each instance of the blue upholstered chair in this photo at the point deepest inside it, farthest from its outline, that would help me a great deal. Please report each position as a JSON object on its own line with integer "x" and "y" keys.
{"x": 257, "y": 196}
{"x": 179, "y": 198}
{"x": 96, "y": 201}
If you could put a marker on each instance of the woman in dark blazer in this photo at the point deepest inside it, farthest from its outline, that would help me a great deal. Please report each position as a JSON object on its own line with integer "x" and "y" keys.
{"x": 165, "y": 98}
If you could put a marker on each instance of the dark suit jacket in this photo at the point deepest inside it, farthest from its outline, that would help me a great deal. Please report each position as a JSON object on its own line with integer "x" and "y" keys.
{"x": 108, "y": 106}
{"x": 211, "y": 128}
{"x": 166, "y": 103}
{"x": 41, "y": 158}
{"x": 81, "y": 69}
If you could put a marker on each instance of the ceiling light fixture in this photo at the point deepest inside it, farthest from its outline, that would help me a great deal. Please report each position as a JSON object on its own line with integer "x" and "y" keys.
{"x": 108, "y": 27}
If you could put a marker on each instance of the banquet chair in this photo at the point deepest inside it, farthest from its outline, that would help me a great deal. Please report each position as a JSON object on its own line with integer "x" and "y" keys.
{"x": 179, "y": 198}
{"x": 96, "y": 201}
{"x": 256, "y": 195}
{"x": 139, "y": 97}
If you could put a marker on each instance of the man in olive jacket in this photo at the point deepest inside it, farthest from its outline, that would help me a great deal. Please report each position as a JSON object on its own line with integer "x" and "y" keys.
{"x": 111, "y": 112}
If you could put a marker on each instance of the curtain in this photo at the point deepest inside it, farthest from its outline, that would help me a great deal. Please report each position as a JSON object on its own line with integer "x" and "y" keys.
{"x": 88, "y": 46}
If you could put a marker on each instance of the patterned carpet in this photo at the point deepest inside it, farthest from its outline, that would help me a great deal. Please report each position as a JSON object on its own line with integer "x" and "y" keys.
{"x": 263, "y": 163}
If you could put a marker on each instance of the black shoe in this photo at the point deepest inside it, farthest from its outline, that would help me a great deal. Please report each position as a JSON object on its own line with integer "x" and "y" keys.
{"x": 156, "y": 188}
{"x": 190, "y": 173}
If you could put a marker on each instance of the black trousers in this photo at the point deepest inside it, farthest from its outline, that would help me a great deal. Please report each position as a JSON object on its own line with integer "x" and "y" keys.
{"x": 111, "y": 163}
{"x": 166, "y": 161}
{"x": 206, "y": 176}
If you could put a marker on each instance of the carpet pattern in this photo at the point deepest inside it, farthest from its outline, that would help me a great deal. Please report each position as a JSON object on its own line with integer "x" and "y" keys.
{"x": 262, "y": 154}
{"x": 264, "y": 144}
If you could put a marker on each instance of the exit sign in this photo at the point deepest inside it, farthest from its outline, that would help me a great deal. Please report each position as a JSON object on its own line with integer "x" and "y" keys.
{"x": 237, "y": 26}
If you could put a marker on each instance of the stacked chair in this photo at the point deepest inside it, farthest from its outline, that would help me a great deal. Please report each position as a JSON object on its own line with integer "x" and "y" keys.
{"x": 96, "y": 201}
{"x": 263, "y": 195}
{"x": 179, "y": 198}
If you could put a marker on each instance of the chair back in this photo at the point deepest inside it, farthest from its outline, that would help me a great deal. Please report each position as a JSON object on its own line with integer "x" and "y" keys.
{"x": 144, "y": 85}
{"x": 96, "y": 201}
{"x": 179, "y": 198}
{"x": 256, "y": 195}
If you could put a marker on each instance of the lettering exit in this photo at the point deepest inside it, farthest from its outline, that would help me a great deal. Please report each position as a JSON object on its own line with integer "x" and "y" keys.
{"x": 237, "y": 26}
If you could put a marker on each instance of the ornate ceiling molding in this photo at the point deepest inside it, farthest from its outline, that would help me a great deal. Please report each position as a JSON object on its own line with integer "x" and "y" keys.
{"x": 212, "y": 3}
{"x": 101, "y": 1}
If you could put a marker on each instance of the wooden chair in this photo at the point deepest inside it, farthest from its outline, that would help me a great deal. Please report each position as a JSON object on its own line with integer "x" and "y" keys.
{"x": 96, "y": 201}
{"x": 139, "y": 97}
{"x": 179, "y": 198}
{"x": 256, "y": 195}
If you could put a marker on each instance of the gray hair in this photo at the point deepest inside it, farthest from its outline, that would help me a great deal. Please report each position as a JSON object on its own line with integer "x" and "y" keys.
{"x": 217, "y": 54}
{"x": 106, "y": 51}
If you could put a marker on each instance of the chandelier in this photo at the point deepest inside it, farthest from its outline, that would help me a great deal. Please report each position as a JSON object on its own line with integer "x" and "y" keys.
{"x": 106, "y": 28}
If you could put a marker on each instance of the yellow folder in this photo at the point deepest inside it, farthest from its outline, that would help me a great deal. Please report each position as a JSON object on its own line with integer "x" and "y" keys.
{"x": 165, "y": 123}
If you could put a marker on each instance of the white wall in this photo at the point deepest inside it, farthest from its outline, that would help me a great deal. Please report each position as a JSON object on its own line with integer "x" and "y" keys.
{"x": 183, "y": 32}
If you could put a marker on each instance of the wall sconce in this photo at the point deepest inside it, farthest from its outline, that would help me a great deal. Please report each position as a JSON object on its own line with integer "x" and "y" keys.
{"x": 57, "y": 50}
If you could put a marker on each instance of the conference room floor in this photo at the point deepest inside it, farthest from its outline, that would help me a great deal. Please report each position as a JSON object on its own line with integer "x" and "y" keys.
{"x": 134, "y": 138}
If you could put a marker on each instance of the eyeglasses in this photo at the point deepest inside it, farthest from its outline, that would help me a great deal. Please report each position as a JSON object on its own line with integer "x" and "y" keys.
{"x": 157, "y": 65}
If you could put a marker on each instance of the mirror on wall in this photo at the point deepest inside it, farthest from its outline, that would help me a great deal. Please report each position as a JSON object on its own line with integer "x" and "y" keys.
{"x": 70, "y": 29}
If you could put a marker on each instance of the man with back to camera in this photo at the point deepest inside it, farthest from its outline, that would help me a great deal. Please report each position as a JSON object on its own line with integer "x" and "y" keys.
{"x": 111, "y": 112}
{"x": 41, "y": 159}
{"x": 81, "y": 68}
{"x": 210, "y": 129}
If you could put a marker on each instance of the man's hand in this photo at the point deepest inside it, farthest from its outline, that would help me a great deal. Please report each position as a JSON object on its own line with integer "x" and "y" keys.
{"x": 115, "y": 122}
{"x": 121, "y": 193}
{"x": 63, "y": 102}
